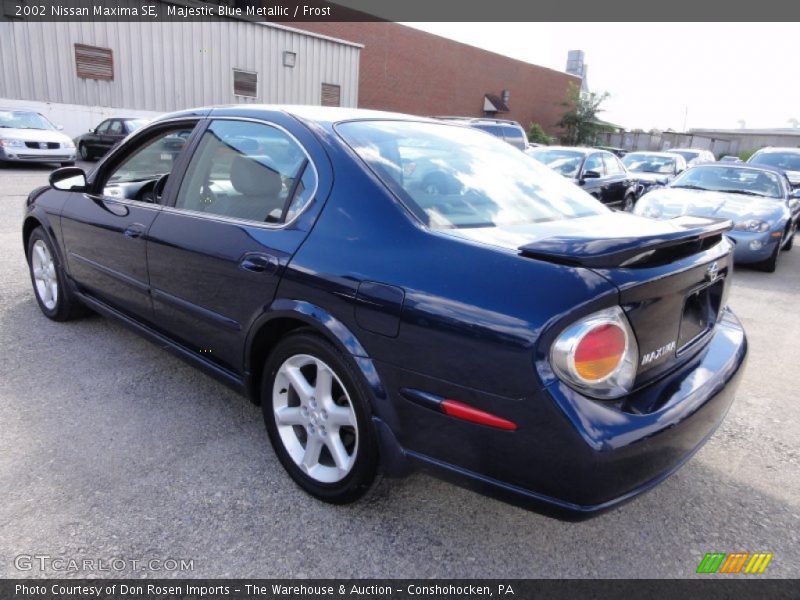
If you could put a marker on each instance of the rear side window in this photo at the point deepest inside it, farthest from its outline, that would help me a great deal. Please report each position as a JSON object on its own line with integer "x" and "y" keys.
{"x": 248, "y": 171}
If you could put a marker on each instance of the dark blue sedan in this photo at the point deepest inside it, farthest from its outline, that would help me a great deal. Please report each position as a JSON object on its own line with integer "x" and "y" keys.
{"x": 500, "y": 328}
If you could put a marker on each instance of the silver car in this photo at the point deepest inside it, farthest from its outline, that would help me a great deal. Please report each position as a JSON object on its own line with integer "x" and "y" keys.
{"x": 27, "y": 136}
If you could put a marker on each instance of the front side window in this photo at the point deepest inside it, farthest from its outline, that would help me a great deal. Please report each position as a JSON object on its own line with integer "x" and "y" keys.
{"x": 565, "y": 162}
{"x": 103, "y": 127}
{"x": 250, "y": 171}
{"x": 613, "y": 166}
{"x": 149, "y": 162}
{"x": 115, "y": 128}
{"x": 456, "y": 177}
{"x": 595, "y": 163}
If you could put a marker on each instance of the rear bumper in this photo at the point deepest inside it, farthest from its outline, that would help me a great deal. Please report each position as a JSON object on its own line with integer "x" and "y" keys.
{"x": 574, "y": 457}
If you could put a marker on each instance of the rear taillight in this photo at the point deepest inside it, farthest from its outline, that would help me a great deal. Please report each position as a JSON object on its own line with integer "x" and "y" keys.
{"x": 597, "y": 355}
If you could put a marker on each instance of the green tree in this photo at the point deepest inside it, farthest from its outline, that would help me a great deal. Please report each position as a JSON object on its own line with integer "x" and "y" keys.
{"x": 580, "y": 121}
{"x": 537, "y": 135}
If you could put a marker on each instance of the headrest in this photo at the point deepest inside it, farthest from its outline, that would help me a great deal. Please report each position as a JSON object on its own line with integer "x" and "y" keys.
{"x": 252, "y": 178}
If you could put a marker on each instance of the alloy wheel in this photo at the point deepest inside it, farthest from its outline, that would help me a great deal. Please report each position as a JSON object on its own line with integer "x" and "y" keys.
{"x": 315, "y": 418}
{"x": 44, "y": 275}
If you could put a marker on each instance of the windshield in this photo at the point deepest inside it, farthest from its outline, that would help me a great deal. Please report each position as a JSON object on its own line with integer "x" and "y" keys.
{"x": 687, "y": 154}
{"x": 23, "y": 119}
{"x": 566, "y": 162}
{"x": 454, "y": 177}
{"x": 788, "y": 161}
{"x": 649, "y": 163}
{"x": 731, "y": 179}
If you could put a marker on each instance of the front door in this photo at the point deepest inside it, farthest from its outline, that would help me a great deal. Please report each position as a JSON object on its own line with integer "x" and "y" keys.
{"x": 105, "y": 228}
{"x": 216, "y": 256}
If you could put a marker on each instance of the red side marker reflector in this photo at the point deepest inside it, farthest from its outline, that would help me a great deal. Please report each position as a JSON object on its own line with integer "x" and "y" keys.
{"x": 459, "y": 410}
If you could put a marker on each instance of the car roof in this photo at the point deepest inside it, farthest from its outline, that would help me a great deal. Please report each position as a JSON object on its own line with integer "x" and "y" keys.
{"x": 581, "y": 149}
{"x": 326, "y": 115}
{"x": 748, "y": 166}
{"x": 665, "y": 153}
{"x": 770, "y": 150}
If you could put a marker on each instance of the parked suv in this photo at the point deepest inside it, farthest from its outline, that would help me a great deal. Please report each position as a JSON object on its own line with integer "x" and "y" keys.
{"x": 509, "y": 131}
{"x": 785, "y": 159}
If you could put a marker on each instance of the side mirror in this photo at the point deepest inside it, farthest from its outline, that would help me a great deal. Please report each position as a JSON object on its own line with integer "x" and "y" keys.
{"x": 68, "y": 179}
{"x": 591, "y": 175}
{"x": 60, "y": 127}
{"x": 92, "y": 130}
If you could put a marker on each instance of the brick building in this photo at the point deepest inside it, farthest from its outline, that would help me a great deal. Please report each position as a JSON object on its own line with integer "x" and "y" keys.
{"x": 407, "y": 70}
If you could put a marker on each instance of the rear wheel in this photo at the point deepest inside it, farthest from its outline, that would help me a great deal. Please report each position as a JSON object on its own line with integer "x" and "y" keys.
{"x": 318, "y": 419}
{"x": 55, "y": 299}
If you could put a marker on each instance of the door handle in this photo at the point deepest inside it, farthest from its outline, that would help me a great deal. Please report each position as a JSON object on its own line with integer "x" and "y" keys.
{"x": 259, "y": 263}
{"x": 134, "y": 231}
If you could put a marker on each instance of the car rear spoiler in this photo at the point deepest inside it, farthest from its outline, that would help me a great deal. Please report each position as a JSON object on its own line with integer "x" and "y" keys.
{"x": 694, "y": 235}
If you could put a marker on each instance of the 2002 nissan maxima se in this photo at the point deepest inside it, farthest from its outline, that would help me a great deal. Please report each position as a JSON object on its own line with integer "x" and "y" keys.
{"x": 503, "y": 329}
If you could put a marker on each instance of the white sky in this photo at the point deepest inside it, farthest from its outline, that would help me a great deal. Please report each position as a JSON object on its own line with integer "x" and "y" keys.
{"x": 722, "y": 72}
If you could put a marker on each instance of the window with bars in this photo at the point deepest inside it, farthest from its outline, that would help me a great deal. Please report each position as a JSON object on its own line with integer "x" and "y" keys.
{"x": 92, "y": 62}
{"x": 245, "y": 83}
{"x": 331, "y": 95}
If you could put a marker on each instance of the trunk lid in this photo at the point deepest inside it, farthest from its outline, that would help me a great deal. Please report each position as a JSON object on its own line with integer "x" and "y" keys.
{"x": 673, "y": 283}
{"x": 672, "y": 275}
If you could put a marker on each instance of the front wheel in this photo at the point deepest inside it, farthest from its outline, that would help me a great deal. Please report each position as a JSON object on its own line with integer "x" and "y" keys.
{"x": 84, "y": 152}
{"x": 318, "y": 419}
{"x": 627, "y": 204}
{"x": 771, "y": 263}
{"x": 55, "y": 299}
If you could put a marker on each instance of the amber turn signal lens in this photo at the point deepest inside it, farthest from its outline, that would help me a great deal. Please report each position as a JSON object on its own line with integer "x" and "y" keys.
{"x": 599, "y": 352}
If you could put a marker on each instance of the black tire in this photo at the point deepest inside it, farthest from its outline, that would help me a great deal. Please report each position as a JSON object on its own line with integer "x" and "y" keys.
{"x": 70, "y": 163}
{"x": 86, "y": 154}
{"x": 790, "y": 241}
{"x": 67, "y": 306}
{"x": 627, "y": 204}
{"x": 362, "y": 474}
{"x": 769, "y": 265}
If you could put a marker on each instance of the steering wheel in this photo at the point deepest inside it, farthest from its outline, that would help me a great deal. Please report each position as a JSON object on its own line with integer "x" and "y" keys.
{"x": 152, "y": 193}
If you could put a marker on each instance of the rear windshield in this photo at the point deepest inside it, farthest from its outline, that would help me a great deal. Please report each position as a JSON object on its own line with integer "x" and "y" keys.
{"x": 455, "y": 177}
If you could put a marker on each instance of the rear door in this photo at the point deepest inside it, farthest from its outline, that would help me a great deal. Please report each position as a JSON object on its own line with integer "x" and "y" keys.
{"x": 217, "y": 253}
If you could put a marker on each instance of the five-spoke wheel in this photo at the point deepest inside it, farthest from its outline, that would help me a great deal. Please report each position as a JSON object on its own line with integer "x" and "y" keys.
{"x": 318, "y": 418}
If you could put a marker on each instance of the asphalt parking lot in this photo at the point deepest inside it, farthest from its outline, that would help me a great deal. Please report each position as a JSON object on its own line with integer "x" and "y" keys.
{"x": 111, "y": 448}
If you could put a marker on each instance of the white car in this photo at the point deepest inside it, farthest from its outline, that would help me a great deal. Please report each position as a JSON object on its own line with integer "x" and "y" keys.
{"x": 27, "y": 136}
